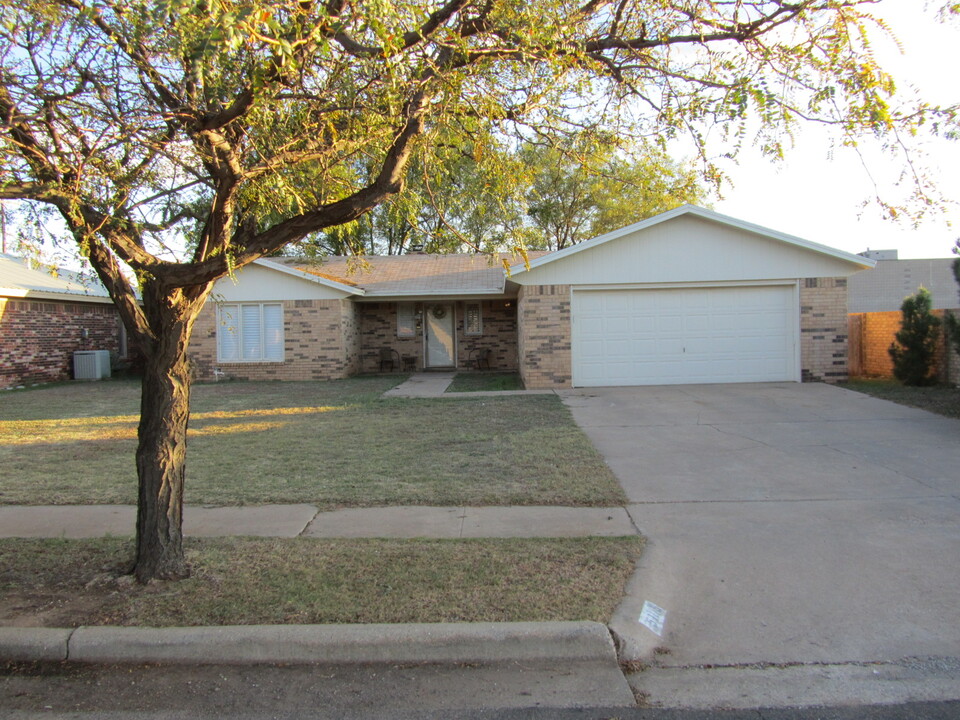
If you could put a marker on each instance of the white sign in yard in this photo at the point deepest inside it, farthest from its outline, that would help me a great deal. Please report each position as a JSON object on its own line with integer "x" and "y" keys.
{"x": 653, "y": 616}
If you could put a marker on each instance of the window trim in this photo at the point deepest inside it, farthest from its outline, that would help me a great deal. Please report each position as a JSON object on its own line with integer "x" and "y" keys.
{"x": 236, "y": 327}
{"x": 466, "y": 319}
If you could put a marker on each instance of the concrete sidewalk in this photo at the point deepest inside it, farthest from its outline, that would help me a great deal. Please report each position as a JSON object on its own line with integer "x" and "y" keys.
{"x": 435, "y": 384}
{"x": 85, "y": 521}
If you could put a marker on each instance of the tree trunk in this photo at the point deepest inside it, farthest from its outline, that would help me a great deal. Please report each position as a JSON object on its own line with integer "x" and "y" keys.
{"x": 162, "y": 448}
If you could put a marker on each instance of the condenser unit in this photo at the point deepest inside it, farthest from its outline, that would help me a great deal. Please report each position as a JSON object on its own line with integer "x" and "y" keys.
{"x": 91, "y": 364}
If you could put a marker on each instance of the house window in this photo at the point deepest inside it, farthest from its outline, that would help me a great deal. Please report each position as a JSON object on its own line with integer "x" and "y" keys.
{"x": 406, "y": 320}
{"x": 250, "y": 333}
{"x": 472, "y": 319}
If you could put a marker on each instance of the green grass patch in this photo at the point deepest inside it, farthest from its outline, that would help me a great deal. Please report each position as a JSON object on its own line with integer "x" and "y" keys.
{"x": 67, "y": 583}
{"x": 939, "y": 399}
{"x": 485, "y": 382}
{"x": 332, "y": 444}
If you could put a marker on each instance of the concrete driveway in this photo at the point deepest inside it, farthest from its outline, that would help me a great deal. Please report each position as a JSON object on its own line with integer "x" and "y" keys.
{"x": 789, "y": 526}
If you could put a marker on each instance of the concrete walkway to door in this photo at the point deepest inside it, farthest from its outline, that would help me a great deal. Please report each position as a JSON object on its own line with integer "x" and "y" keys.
{"x": 424, "y": 384}
{"x": 435, "y": 384}
{"x": 803, "y": 539}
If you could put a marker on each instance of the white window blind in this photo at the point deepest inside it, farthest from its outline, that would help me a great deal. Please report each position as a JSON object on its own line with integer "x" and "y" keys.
{"x": 273, "y": 332}
{"x": 406, "y": 320}
{"x": 472, "y": 319}
{"x": 250, "y": 333}
{"x": 228, "y": 333}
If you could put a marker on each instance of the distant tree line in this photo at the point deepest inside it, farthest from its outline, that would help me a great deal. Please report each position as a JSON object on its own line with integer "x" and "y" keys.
{"x": 540, "y": 196}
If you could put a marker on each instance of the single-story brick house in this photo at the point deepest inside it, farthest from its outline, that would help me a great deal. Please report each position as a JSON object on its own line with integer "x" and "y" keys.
{"x": 688, "y": 296}
{"x": 44, "y": 319}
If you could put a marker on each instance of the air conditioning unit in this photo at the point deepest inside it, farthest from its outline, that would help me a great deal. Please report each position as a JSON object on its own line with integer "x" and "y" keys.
{"x": 91, "y": 364}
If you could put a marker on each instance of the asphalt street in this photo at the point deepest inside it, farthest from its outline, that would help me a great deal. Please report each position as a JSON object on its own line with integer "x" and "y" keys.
{"x": 57, "y": 691}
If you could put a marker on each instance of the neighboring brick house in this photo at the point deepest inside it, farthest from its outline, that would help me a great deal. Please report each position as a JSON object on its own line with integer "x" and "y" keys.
{"x": 689, "y": 296}
{"x": 45, "y": 319}
{"x": 875, "y": 300}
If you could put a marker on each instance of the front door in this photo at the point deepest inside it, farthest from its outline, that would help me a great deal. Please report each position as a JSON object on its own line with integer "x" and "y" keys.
{"x": 441, "y": 351}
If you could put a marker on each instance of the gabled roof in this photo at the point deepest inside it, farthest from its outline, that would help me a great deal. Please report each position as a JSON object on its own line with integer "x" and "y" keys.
{"x": 698, "y": 212}
{"x": 407, "y": 275}
{"x": 19, "y": 280}
{"x": 316, "y": 275}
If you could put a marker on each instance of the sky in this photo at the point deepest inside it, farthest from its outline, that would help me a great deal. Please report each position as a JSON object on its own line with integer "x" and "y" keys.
{"x": 818, "y": 195}
{"x": 818, "y": 192}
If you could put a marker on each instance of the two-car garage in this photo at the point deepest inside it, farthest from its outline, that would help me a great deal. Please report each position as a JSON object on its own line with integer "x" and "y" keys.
{"x": 672, "y": 336}
{"x": 688, "y": 296}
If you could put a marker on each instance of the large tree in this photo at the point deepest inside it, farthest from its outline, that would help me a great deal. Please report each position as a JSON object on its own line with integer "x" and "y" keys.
{"x": 463, "y": 201}
{"x": 579, "y": 192}
{"x": 235, "y": 127}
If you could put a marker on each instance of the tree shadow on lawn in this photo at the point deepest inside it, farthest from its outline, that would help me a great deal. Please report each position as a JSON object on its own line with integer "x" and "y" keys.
{"x": 350, "y": 449}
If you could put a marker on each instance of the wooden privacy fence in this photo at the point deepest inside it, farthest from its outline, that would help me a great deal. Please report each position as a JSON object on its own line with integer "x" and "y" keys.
{"x": 871, "y": 335}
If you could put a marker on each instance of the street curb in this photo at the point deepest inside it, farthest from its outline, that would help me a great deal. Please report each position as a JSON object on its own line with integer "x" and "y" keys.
{"x": 243, "y": 644}
{"x": 33, "y": 644}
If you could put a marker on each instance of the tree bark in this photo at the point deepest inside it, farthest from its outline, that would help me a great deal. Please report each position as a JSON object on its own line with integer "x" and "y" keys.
{"x": 162, "y": 435}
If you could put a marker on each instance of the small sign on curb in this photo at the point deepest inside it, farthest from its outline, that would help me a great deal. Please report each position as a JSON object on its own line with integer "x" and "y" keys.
{"x": 652, "y": 617}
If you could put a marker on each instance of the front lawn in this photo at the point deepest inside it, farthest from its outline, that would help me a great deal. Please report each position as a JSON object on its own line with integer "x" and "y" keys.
{"x": 332, "y": 444}
{"x": 67, "y": 583}
{"x": 939, "y": 399}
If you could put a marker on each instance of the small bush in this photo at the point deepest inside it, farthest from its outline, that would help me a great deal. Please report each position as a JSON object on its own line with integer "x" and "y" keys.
{"x": 916, "y": 341}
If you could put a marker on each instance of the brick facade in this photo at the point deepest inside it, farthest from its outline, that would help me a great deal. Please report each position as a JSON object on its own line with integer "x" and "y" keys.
{"x": 871, "y": 335}
{"x": 328, "y": 339}
{"x": 499, "y": 323}
{"x": 38, "y": 337}
{"x": 319, "y": 339}
{"x": 378, "y": 329}
{"x": 544, "y": 336}
{"x": 823, "y": 329}
{"x": 350, "y": 324}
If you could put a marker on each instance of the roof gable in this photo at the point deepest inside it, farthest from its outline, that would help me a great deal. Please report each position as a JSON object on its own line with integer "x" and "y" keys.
{"x": 688, "y": 244}
{"x": 267, "y": 280}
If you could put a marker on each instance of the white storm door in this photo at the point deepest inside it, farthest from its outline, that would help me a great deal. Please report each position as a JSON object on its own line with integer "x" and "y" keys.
{"x": 441, "y": 349}
{"x": 685, "y": 335}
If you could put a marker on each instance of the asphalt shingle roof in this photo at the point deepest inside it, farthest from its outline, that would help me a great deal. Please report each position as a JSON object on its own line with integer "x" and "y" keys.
{"x": 394, "y": 275}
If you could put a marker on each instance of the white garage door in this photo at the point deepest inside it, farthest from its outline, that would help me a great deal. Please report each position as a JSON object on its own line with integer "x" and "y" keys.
{"x": 689, "y": 335}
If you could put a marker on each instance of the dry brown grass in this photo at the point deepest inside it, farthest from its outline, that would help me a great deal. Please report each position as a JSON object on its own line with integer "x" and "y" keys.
{"x": 67, "y": 583}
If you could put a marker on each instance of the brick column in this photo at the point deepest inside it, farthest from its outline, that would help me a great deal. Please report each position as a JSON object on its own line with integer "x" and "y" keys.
{"x": 544, "y": 336}
{"x": 823, "y": 329}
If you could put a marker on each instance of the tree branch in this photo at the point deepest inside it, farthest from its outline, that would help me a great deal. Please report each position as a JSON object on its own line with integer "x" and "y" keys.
{"x": 133, "y": 51}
